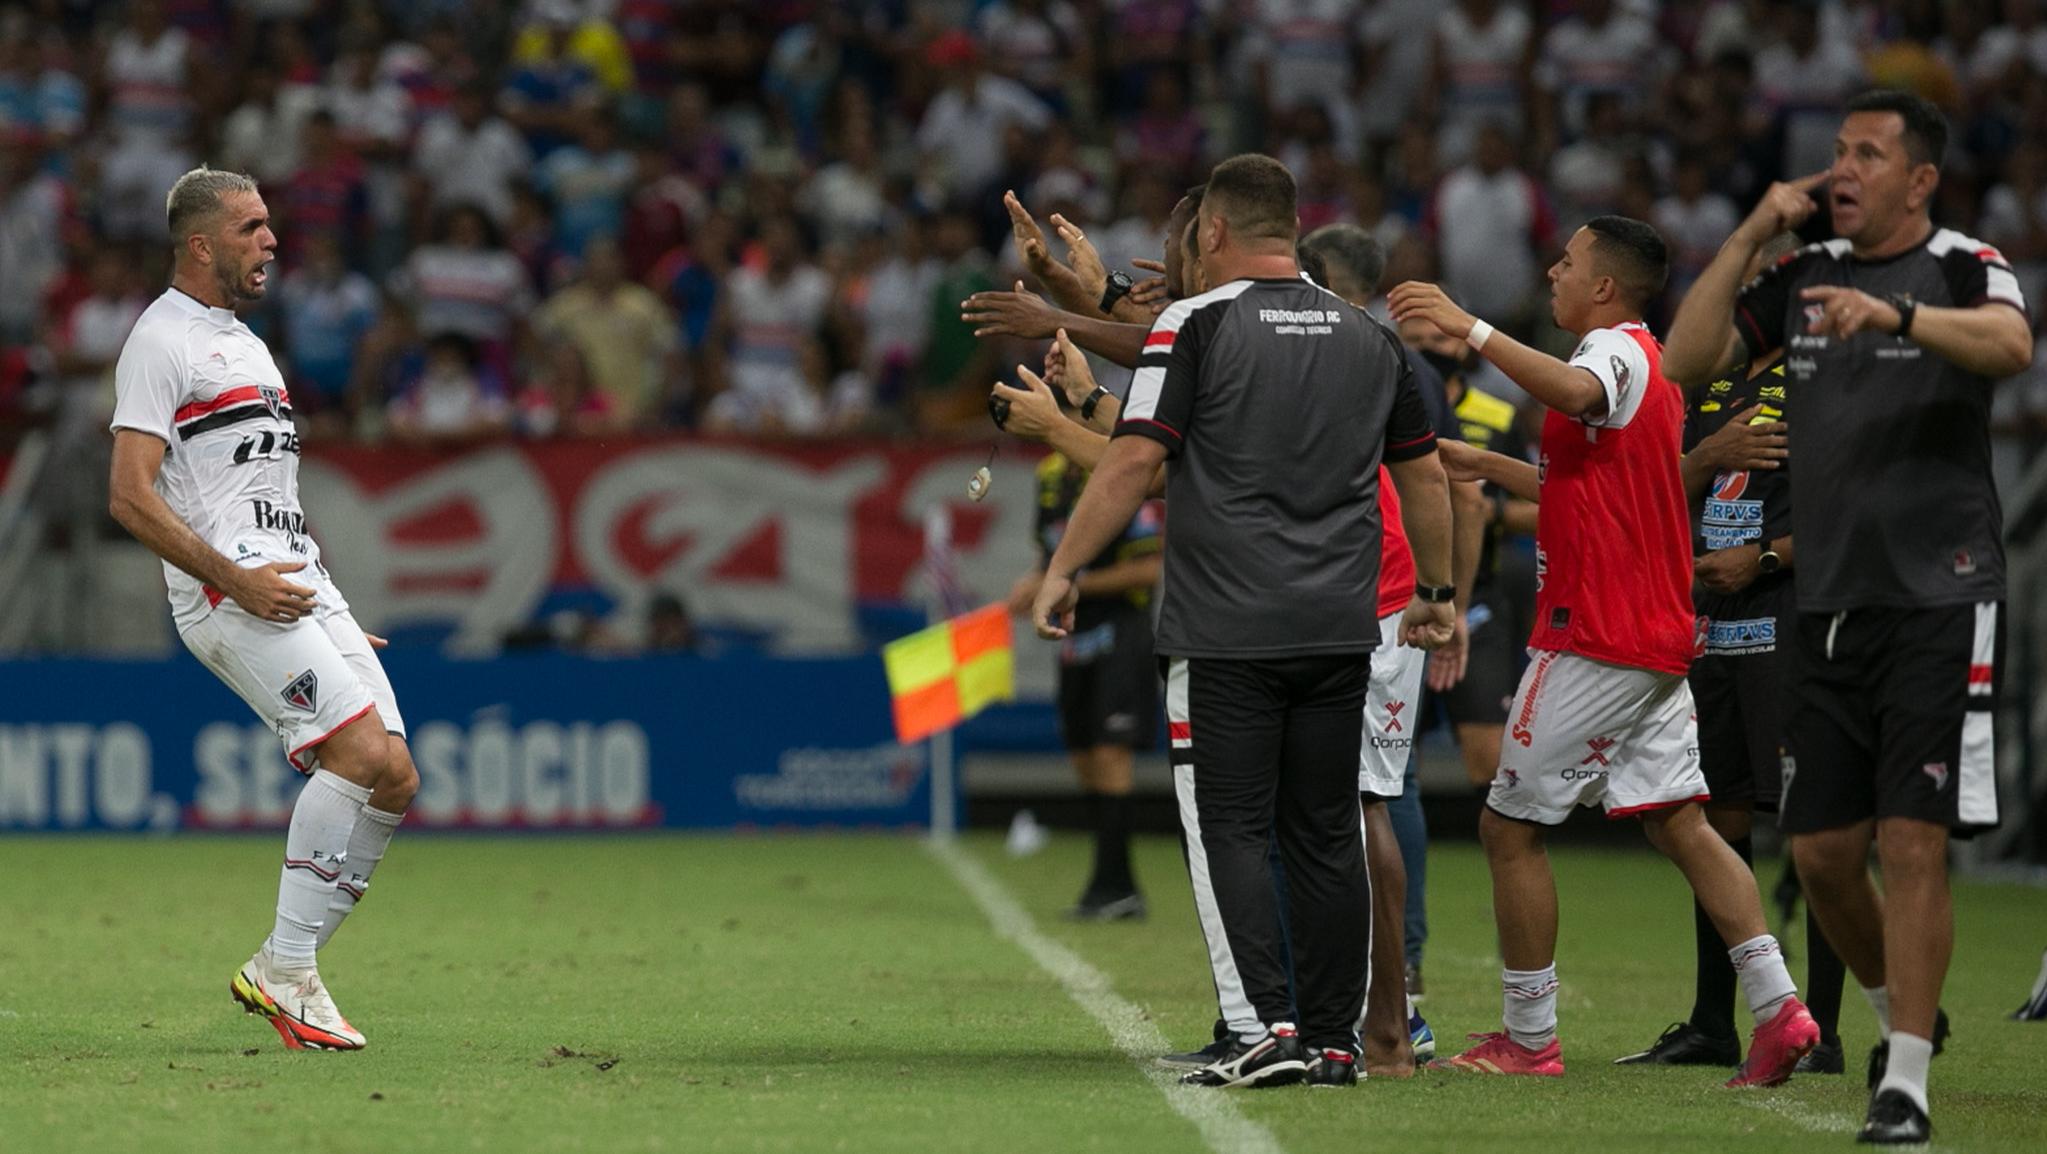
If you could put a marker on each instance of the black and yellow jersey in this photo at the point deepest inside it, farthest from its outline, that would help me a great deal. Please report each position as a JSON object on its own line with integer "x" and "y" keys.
{"x": 1059, "y": 486}
{"x": 1745, "y": 507}
{"x": 1488, "y": 423}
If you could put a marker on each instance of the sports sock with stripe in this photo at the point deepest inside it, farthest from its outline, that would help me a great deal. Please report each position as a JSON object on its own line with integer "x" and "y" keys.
{"x": 1910, "y": 1056}
{"x": 315, "y": 854}
{"x": 1528, "y": 1006}
{"x": 1759, "y": 963}
{"x": 366, "y": 846}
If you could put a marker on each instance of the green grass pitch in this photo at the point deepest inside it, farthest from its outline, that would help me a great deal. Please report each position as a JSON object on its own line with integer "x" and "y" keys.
{"x": 843, "y": 993}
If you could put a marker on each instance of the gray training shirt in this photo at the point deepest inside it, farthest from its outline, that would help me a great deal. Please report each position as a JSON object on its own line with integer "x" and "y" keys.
{"x": 1893, "y": 501}
{"x": 1276, "y": 401}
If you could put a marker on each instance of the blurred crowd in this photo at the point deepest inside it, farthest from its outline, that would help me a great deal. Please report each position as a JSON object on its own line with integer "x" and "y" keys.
{"x": 577, "y": 217}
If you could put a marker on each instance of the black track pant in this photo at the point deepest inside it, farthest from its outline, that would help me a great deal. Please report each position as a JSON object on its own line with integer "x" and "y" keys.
{"x": 1264, "y": 749}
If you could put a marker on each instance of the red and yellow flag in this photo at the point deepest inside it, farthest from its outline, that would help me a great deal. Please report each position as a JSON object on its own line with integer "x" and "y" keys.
{"x": 943, "y": 675}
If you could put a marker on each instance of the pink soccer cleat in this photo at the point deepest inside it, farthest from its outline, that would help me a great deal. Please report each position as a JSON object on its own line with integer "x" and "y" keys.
{"x": 1777, "y": 1045}
{"x": 1500, "y": 1054}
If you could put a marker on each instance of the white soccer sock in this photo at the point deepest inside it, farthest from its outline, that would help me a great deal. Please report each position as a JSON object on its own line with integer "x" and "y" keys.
{"x": 1910, "y": 1055}
{"x": 1529, "y": 1006}
{"x": 315, "y": 854}
{"x": 1880, "y": 1001}
{"x": 1759, "y": 963}
{"x": 366, "y": 845}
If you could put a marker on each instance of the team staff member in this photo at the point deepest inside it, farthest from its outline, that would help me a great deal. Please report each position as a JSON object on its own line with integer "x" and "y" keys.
{"x": 1274, "y": 401}
{"x": 1892, "y": 334}
{"x": 1604, "y": 716}
{"x": 1108, "y": 686}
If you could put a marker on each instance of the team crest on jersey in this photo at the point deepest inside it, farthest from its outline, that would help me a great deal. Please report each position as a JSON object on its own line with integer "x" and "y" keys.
{"x": 273, "y": 399}
{"x": 303, "y": 692}
{"x": 1623, "y": 380}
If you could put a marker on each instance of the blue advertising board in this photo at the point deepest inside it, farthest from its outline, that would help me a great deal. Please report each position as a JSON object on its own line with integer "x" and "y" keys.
{"x": 544, "y": 741}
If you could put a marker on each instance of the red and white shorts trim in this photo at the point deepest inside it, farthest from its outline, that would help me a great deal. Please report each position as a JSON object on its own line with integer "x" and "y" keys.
{"x": 1391, "y": 705}
{"x": 1582, "y": 732}
{"x": 306, "y": 680}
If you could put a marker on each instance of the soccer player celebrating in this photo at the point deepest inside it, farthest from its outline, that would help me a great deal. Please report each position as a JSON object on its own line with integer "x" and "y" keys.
{"x": 205, "y": 473}
{"x": 1603, "y": 715}
{"x": 1893, "y": 332}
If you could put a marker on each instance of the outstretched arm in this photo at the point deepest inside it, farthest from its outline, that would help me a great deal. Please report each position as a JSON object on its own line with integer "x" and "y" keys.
{"x": 1568, "y": 389}
{"x": 1703, "y": 344}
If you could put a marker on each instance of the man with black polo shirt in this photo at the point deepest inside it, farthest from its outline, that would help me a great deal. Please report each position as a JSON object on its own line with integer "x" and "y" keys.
{"x": 1275, "y": 401}
{"x": 1892, "y": 333}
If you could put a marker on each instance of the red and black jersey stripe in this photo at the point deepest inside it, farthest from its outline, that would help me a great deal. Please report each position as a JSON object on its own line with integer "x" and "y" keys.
{"x": 231, "y": 407}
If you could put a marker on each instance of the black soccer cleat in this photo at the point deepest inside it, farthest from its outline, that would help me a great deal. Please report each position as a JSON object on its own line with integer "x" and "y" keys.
{"x": 1333, "y": 1068}
{"x": 1880, "y": 1054}
{"x": 1276, "y": 1060}
{"x": 1825, "y": 1058}
{"x": 1895, "y": 1120}
{"x": 1196, "y": 1059}
{"x": 1108, "y": 908}
{"x": 1684, "y": 1044}
{"x": 2035, "y": 1009}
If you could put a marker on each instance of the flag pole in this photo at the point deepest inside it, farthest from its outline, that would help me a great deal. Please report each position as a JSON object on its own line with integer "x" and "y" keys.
{"x": 938, "y": 545}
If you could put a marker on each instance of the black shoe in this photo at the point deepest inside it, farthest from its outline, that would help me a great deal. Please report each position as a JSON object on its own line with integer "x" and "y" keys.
{"x": 1108, "y": 908}
{"x": 1333, "y": 1068}
{"x": 2035, "y": 1009}
{"x": 1275, "y": 1061}
{"x": 1895, "y": 1120}
{"x": 1880, "y": 1054}
{"x": 1686, "y": 1045}
{"x": 1825, "y": 1058}
{"x": 1196, "y": 1059}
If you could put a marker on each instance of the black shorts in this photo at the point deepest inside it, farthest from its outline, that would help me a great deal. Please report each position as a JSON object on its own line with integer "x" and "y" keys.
{"x": 1108, "y": 682}
{"x": 1740, "y": 689}
{"x": 1894, "y": 716}
{"x": 1493, "y": 672}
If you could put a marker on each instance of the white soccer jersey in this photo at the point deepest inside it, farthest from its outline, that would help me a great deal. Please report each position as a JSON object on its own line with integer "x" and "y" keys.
{"x": 199, "y": 379}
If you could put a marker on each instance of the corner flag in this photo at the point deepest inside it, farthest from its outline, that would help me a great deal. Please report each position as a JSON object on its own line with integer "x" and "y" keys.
{"x": 943, "y": 675}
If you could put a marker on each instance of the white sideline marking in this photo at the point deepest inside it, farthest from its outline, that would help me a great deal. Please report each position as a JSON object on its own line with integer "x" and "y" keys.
{"x": 1223, "y": 1127}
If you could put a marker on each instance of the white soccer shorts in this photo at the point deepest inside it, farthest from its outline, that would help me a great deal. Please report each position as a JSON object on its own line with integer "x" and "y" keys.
{"x": 307, "y": 679}
{"x": 1583, "y": 732}
{"x": 1390, "y": 708}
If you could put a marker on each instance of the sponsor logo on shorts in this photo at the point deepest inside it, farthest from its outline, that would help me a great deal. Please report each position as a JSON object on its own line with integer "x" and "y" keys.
{"x": 1754, "y": 635}
{"x": 1392, "y": 742}
{"x": 1524, "y": 732}
{"x": 1393, "y": 709}
{"x": 303, "y": 692}
{"x": 1583, "y": 774}
{"x": 1599, "y": 747}
{"x": 1937, "y": 771}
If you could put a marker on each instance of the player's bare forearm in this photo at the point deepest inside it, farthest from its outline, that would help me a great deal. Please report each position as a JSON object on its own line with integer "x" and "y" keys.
{"x": 1112, "y": 341}
{"x": 1513, "y": 474}
{"x": 1116, "y": 487}
{"x": 1067, "y": 290}
{"x": 1992, "y": 340}
{"x": 1425, "y": 514}
{"x": 1702, "y": 345}
{"x": 1468, "y": 507}
{"x": 1107, "y": 410}
{"x": 1079, "y": 444}
{"x": 1520, "y": 515}
{"x": 1562, "y": 386}
{"x": 134, "y": 502}
{"x": 1126, "y": 576}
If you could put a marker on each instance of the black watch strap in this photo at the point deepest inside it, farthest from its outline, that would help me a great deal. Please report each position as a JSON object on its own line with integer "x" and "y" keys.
{"x": 1094, "y": 401}
{"x": 1436, "y": 594}
{"x": 1118, "y": 287}
{"x": 1907, "y": 309}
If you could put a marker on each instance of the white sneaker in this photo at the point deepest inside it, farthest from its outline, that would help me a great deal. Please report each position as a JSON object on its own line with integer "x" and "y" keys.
{"x": 296, "y": 1002}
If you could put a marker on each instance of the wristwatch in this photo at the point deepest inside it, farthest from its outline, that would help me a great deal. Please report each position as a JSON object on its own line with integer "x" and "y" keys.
{"x": 1906, "y": 307}
{"x": 1119, "y": 286}
{"x": 1769, "y": 561}
{"x": 1436, "y": 594}
{"x": 1094, "y": 400}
